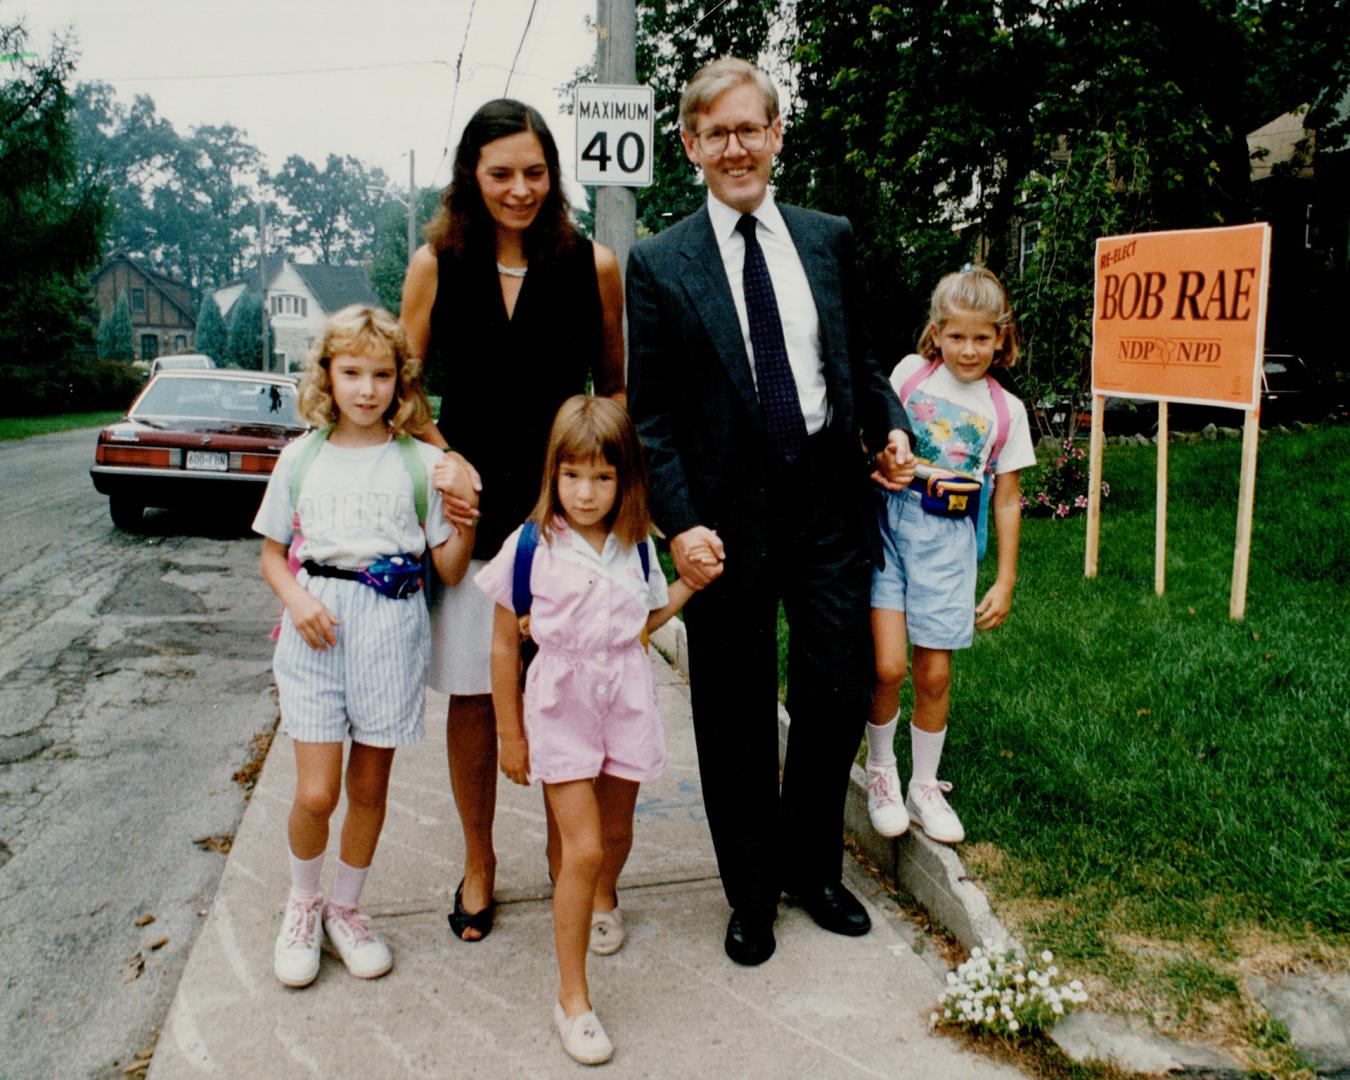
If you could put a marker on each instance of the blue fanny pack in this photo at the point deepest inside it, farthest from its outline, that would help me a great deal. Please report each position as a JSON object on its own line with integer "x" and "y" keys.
{"x": 397, "y": 576}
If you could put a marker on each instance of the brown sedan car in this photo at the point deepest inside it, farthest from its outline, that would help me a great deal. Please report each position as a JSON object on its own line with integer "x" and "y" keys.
{"x": 205, "y": 438}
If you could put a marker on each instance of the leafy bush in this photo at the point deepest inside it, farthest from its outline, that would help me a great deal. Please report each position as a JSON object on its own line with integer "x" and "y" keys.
{"x": 1058, "y": 486}
{"x": 79, "y": 385}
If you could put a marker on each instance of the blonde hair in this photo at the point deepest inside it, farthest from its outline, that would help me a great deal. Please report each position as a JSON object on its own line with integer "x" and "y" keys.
{"x": 973, "y": 291}
{"x": 361, "y": 330}
{"x": 714, "y": 79}
{"x": 589, "y": 429}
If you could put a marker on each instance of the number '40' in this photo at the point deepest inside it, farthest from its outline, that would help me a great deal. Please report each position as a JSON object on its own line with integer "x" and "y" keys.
{"x": 630, "y": 144}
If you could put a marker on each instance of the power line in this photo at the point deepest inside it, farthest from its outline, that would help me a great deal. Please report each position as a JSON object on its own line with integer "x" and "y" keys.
{"x": 454, "y": 93}
{"x": 524, "y": 33}
{"x": 699, "y": 22}
{"x": 266, "y": 74}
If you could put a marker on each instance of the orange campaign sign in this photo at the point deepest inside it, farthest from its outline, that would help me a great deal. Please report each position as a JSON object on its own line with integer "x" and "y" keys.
{"x": 1181, "y": 316}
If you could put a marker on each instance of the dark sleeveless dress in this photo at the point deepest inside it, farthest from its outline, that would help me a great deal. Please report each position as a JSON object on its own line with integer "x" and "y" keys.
{"x": 501, "y": 380}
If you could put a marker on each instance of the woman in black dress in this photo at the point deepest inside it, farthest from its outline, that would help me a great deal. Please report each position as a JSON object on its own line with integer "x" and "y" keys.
{"x": 513, "y": 312}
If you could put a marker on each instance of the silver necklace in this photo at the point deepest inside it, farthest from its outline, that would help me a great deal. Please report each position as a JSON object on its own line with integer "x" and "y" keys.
{"x": 513, "y": 271}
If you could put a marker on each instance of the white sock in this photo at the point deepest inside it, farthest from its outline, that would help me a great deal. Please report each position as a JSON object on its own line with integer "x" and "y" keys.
{"x": 881, "y": 744}
{"x": 347, "y": 884}
{"x": 305, "y": 876}
{"x": 926, "y": 746}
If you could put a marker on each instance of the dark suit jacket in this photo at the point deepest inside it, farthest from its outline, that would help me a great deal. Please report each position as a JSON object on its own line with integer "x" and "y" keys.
{"x": 690, "y": 387}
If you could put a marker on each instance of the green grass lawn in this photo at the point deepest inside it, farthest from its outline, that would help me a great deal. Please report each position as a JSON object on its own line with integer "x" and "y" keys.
{"x": 1158, "y": 794}
{"x": 21, "y": 427}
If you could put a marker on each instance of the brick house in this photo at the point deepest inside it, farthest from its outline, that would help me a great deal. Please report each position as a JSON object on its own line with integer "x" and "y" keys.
{"x": 162, "y": 317}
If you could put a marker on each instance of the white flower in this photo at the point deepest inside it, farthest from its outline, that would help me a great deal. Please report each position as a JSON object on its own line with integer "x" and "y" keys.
{"x": 1057, "y": 1009}
{"x": 1047, "y": 956}
{"x": 1013, "y": 1025}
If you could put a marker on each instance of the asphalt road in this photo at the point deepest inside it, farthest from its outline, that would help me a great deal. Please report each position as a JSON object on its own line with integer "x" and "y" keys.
{"x": 134, "y": 675}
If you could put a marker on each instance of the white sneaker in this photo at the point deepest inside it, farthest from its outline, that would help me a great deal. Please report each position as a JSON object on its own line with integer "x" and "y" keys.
{"x": 365, "y": 954}
{"x": 883, "y": 801}
{"x": 582, "y": 1036}
{"x": 930, "y": 811}
{"x": 296, "y": 956}
{"x": 607, "y": 933}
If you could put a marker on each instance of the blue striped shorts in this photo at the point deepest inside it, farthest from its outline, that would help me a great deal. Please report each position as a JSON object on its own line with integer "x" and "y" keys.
{"x": 372, "y": 685}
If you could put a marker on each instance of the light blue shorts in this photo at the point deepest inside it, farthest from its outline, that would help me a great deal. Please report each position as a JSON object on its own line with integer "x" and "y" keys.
{"x": 929, "y": 573}
{"x": 372, "y": 684}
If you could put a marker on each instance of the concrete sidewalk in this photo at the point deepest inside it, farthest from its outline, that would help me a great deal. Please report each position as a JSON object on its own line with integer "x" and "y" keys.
{"x": 673, "y": 1003}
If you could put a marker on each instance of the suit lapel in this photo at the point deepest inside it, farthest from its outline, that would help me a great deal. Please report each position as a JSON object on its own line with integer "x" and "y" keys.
{"x": 704, "y": 279}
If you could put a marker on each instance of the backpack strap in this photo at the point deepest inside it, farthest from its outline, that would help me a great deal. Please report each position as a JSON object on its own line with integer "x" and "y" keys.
{"x": 417, "y": 473}
{"x": 919, "y": 376}
{"x": 521, "y": 594}
{"x": 304, "y": 458}
{"x": 1001, "y": 420}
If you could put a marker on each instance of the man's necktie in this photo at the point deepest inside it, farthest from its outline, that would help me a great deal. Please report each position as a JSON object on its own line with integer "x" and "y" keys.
{"x": 773, "y": 377}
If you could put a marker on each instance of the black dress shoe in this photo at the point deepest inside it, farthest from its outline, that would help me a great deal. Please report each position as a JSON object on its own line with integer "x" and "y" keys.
{"x": 750, "y": 938}
{"x": 835, "y": 909}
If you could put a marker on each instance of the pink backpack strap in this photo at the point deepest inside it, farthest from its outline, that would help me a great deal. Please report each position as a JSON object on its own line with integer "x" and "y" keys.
{"x": 1001, "y": 420}
{"x": 914, "y": 380}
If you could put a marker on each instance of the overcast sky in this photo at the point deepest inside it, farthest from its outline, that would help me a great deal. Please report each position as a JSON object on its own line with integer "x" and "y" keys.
{"x": 314, "y": 77}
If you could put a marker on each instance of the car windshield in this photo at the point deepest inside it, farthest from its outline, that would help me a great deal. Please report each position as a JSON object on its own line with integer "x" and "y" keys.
{"x": 236, "y": 400}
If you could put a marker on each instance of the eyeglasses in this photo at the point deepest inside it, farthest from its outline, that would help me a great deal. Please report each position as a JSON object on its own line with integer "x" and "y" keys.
{"x": 750, "y": 136}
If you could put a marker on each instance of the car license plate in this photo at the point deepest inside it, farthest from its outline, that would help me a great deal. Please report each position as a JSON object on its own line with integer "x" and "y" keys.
{"x": 208, "y": 460}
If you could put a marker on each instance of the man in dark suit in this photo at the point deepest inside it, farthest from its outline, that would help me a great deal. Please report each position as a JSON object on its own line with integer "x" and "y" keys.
{"x": 763, "y": 414}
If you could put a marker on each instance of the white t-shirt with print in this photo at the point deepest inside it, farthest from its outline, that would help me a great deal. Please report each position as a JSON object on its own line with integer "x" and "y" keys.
{"x": 953, "y": 421}
{"x": 356, "y": 504}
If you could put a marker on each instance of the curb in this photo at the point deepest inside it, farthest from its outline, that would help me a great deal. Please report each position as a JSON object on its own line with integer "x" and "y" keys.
{"x": 930, "y": 872}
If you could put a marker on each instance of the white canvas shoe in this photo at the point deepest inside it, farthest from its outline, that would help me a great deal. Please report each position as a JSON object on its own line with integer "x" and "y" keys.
{"x": 295, "y": 959}
{"x": 884, "y": 807}
{"x": 930, "y": 811}
{"x": 582, "y": 1036}
{"x": 364, "y": 953}
{"x": 607, "y": 933}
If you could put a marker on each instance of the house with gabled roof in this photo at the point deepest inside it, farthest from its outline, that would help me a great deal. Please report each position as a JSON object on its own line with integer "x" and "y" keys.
{"x": 162, "y": 317}
{"x": 299, "y": 297}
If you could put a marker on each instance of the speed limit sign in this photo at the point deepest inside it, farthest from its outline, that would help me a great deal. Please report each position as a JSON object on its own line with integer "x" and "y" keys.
{"x": 614, "y": 135}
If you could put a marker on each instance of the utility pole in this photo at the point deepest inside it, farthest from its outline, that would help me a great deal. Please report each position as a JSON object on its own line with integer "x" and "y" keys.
{"x": 262, "y": 280}
{"x": 412, "y": 205}
{"x": 616, "y": 65}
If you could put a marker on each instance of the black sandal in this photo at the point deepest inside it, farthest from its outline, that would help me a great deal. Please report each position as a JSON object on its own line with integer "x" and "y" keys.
{"x": 461, "y": 920}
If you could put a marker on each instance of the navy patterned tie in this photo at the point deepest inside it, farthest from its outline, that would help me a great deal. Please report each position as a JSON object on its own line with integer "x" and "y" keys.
{"x": 773, "y": 377}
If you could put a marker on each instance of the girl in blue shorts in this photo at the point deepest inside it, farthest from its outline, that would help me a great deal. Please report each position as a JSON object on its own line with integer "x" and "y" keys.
{"x": 589, "y": 728}
{"x": 351, "y": 657}
{"x": 964, "y": 424}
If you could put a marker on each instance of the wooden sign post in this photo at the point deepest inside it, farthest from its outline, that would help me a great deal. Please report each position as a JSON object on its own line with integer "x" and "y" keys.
{"x": 1181, "y": 316}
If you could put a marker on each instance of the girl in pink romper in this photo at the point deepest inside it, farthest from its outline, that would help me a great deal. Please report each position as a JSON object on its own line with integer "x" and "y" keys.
{"x": 591, "y": 731}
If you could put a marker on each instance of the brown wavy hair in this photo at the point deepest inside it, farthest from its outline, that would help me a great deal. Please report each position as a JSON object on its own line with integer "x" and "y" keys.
{"x": 972, "y": 291}
{"x": 463, "y": 225}
{"x": 360, "y": 330}
{"x": 590, "y": 428}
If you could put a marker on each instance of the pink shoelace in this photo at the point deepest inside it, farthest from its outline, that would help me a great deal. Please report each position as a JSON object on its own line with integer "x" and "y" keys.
{"x": 880, "y": 785}
{"x": 303, "y": 916}
{"x": 352, "y": 921}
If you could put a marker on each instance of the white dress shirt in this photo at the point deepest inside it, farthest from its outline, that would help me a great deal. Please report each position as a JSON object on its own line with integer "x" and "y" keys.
{"x": 796, "y": 305}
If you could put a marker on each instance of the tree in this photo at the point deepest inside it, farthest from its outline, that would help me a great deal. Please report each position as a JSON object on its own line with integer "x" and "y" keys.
{"x": 941, "y": 128}
{"x": 674, "y": 39}
{"x": 115, "y": 340}
{"x": 330, "y": 212}
{"x": 243, "y": 349}
{"x": 53, "y": 214}
{"x": 390, "y": 261}
{"x": 213, "y": 337}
